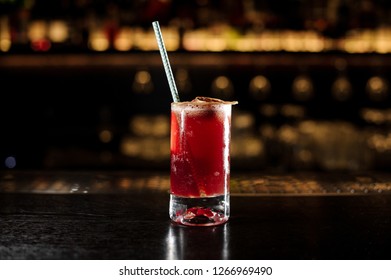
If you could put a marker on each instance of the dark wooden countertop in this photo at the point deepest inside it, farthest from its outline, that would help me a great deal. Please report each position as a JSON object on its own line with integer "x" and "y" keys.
{"x": 95, "y": 215}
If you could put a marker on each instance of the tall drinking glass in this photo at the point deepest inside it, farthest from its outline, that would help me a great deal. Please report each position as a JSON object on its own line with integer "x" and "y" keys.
{"x": 200, "y": 161}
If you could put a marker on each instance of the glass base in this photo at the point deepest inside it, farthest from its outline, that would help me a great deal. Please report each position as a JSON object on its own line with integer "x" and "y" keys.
{"x": 200, "y": 211}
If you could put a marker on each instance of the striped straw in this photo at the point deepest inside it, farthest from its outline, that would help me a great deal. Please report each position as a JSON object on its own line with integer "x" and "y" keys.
{"x": 166, "y": 63}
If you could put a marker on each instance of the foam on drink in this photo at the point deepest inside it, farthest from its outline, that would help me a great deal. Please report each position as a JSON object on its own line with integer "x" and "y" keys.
{"x": 199, "y": 105}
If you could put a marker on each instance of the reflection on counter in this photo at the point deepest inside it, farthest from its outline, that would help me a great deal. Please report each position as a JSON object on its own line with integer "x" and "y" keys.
{"x": 181, "y": 242}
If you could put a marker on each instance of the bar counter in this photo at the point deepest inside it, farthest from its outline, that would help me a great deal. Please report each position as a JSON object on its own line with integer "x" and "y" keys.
{"x": 124, "y": 215}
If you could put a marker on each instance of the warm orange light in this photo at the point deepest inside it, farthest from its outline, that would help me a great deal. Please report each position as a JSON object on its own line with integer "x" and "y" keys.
{"x": 105, "y": 136}
{"x": 98, "y": 41}
{"x": 37, "y": 30}
{"x": 58, "y": 31}
{"x": 5, "y": 44}
{"x": 5, "y": 36}
{"x": 123, "y": 41}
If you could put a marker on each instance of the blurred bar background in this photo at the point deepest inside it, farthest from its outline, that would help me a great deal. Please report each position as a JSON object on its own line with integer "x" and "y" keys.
{"x": 82, "y": 85}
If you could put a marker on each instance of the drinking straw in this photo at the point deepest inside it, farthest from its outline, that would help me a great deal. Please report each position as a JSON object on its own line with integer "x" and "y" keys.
{"x": 173, "y": 89}
{"x": 166, "y": 62}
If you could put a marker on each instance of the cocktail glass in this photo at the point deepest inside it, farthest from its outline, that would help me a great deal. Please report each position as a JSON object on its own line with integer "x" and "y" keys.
{"x": 200, "y": 161}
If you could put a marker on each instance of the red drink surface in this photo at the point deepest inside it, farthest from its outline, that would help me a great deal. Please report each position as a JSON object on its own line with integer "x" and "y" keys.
{"x": 200, "y": 139}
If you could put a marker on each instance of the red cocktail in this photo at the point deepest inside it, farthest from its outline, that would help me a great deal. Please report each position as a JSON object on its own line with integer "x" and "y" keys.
{"x": 200, "y": 163}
